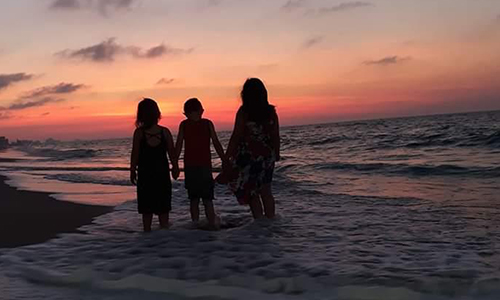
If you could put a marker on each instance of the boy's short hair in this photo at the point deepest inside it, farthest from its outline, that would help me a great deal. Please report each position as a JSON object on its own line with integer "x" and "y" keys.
{"x": 192, "y": 105}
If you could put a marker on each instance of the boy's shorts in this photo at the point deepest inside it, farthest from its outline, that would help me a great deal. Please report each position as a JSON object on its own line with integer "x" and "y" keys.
{"x": 199, "y": 182}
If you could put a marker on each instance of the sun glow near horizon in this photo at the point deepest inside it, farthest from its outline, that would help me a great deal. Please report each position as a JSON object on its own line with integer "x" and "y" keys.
{"x": 322, "y": 61}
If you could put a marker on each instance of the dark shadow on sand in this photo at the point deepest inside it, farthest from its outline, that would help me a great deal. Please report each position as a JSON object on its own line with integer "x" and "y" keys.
{"x": 33, "y": 217}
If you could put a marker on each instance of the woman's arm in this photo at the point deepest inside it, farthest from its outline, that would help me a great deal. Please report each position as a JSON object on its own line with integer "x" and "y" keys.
{"x": 239, "y": 127}
{"x": 171, "y": 153}
{"x": 215, "y": 140}
{"x": 275, "y": 137}
{"x": 134, "y": 157}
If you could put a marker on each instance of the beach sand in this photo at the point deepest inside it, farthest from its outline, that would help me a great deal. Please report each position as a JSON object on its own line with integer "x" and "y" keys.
{"x": 33, "y": 217}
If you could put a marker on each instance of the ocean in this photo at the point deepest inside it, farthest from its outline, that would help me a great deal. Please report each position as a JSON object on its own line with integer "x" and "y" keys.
{"x": 404, "y": 208}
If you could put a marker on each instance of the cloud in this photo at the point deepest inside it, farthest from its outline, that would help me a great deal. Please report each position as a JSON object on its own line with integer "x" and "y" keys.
{"x": 208, "y": 4}
{"x": 292, "y": 5}
{"x": 212, "y": 3}
{"x": 42, "y": 96}
{"x": 344, "y": 7}
{"x": 311, "y": 42}
{"x": 108, "y": 50}
{"x": 45, "y": 114}
{"x": 65, "y": 4}
{"x": 386, "y": 61}
{"x": 19, "y": 105}
{"x": 105, "y": 51}
{"x": 104, "y": 7}
{"x": 8, "y": 79}
{"x": 165, "y": 81}
{"x": 61, "y": 88}
{"x": 157, "y": 51}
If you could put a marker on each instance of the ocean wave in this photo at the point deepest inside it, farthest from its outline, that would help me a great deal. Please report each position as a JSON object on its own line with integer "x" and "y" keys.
{"x": 330, "y": 140}
{"x": 83, "y": 178}
{"x": 56, "y": 154}
{"x": 69, "y": 168}
{"x": 410, "y": 170}
{"x": 472, "y": 139}
{"x": 165, "y": 280}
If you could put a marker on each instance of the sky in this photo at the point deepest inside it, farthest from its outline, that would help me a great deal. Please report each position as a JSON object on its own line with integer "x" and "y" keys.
{"x": 76, "y": 69}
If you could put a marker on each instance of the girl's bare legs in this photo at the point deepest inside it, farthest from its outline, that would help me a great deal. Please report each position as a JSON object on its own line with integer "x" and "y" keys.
{"x": 195, "y": 209}
{"x": 256, "y": 207}
{"x": 147, "y": 219}
{"x": 163, "y": 218}
{"x": 268, "y": 200}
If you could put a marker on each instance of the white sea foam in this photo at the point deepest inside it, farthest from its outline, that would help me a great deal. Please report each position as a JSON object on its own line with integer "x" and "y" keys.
{"x": 252, "y": 260}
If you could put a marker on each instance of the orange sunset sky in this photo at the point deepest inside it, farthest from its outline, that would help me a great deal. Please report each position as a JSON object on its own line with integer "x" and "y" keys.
{"x": 76, "y": 69}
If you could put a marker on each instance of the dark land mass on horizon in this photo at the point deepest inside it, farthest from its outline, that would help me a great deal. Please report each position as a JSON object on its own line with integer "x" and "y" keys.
{"x": 34, "y": 217}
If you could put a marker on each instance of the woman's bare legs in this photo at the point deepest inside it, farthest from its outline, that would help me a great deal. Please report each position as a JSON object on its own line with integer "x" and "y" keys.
{"x": 147, "y": 219}
{"x": 209, "y": 212}
{"x": 163, "y": 218}
{"x": 256, "y": 207}
{"x": 268, "y": 200}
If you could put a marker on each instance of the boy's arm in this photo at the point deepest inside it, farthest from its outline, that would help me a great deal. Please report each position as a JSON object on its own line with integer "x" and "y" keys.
{"x": 171, "y": 153}
{"x": 239, "y": 127}
{"x": 217, "y": 145}
{"x": 180, "y": 141}
{"x": 275, "y": 138}
{"x": 134, "y": 157}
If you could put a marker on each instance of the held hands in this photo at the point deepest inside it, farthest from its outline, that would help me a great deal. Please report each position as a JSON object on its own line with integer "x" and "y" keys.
{"x": 175, "y": 172}
{"x": 226, "y": 164}
{"x": 133, "y": 177}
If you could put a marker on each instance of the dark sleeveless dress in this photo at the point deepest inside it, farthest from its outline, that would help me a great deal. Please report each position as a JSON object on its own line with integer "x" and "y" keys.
{"x": 154, "y": 188}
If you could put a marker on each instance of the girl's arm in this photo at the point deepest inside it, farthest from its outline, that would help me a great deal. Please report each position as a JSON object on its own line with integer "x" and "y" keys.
{"x": 171, "y": 153}
{"x": 275, "y": 138}
{"x": 217, "y": 145}
{"x": 180, "y": 141}
{"x": 239, "y": 127}
{"x": 134, "y": 157}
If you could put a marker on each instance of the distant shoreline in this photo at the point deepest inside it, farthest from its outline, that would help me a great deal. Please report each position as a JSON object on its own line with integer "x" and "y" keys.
{"x": 355, "y": 120}
{"x": 28, "y": 218}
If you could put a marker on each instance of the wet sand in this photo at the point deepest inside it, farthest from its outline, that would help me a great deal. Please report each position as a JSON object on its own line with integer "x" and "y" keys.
{"x": 33, "y": 217}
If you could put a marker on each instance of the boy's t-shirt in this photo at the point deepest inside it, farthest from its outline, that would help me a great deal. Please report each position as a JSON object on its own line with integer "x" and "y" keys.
{"x": 197, "y": 143}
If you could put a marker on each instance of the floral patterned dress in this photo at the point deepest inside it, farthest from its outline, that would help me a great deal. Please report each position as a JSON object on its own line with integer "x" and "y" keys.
{"x": 254, "y": 161}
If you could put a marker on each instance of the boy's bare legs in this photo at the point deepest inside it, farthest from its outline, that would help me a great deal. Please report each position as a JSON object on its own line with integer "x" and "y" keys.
{"x": 268, "y": 200}
{"x": 147, "y": 219}
{"x": 256, "y": 207}
{"x": 195, "y": 209}
{"x": 210, "y": 212}
{"x": 163, "y": 218}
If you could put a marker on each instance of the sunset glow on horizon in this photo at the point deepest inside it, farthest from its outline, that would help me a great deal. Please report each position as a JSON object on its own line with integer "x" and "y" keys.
{"x": 76, "y": 69}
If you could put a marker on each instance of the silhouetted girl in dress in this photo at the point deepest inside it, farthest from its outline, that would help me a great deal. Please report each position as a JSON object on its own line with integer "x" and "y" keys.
{"x": 149, "y": 166}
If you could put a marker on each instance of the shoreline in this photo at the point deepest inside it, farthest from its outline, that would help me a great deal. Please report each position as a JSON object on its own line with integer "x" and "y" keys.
{"x": 28, "y": 218}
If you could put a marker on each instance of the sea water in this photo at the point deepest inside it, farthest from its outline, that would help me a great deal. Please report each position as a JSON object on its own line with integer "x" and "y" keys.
{"x": 403, "y": 208}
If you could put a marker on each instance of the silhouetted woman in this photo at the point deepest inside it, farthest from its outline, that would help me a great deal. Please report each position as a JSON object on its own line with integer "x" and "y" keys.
{"x": 253, "y": 149}
{"x": 149, "y": 158}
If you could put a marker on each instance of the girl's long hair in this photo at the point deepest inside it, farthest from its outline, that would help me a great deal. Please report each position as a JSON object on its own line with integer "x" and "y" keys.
{"x": 148, "y": 113}
{"x": 255, "y": 101}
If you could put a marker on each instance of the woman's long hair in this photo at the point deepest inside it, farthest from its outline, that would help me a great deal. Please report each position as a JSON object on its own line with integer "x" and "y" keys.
{"x": 255, "y": 101}
{"x": 148, "y": 113}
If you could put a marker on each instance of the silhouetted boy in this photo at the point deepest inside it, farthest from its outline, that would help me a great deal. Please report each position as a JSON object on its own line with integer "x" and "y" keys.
{"x": 197, "y": 133}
